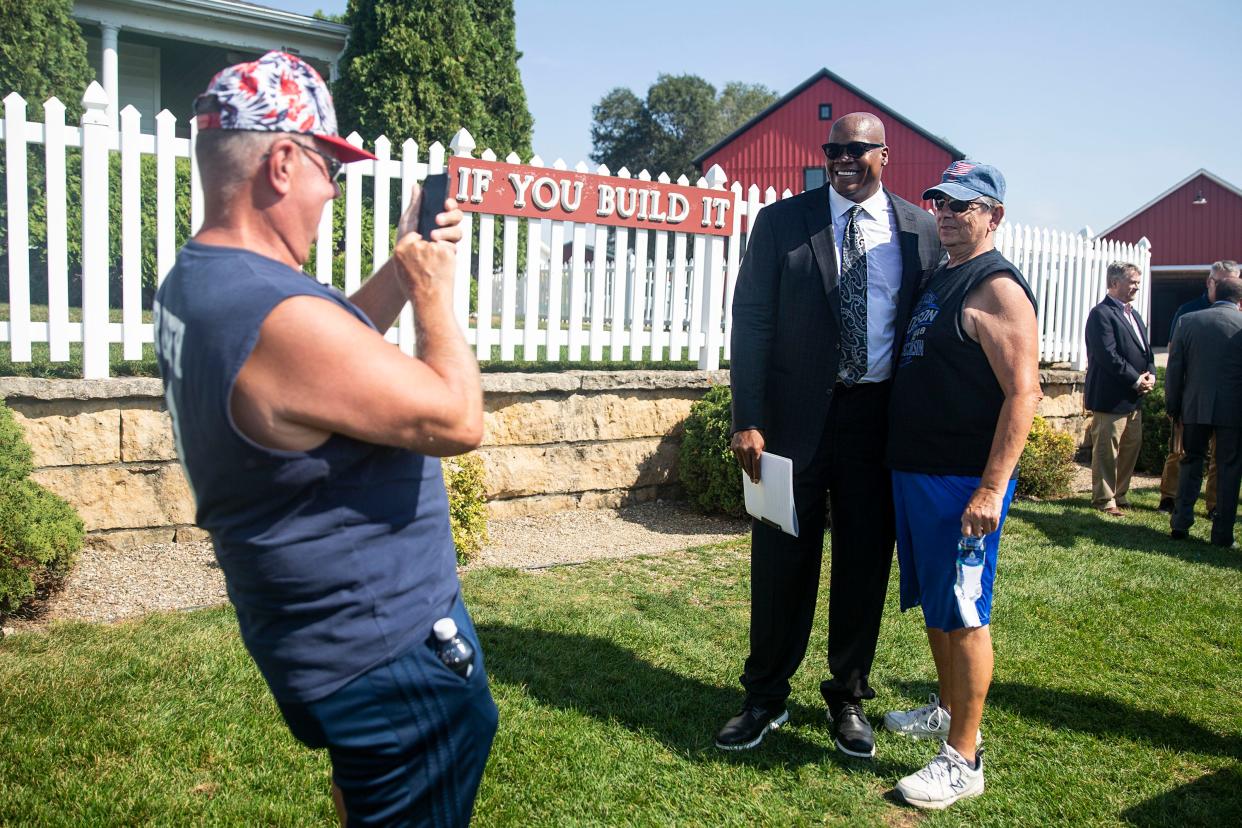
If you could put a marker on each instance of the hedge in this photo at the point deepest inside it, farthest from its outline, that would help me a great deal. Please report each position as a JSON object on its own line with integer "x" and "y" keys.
{"x": 467, "y": 496}
{"x": 40, "y": 534}
{"x": 706, "y": 466}
{"x": 1046, "y": 467}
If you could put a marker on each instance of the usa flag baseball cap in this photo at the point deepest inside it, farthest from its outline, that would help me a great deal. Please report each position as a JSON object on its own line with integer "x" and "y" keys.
{"x": 967, "y": 180}
{"x": 278, "y": 92}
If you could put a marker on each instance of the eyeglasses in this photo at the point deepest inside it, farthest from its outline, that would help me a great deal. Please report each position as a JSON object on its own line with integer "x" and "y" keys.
{"x": 855, "y": 149}
{"x": 334, "y": 166}
{"x": 956, "y": 205}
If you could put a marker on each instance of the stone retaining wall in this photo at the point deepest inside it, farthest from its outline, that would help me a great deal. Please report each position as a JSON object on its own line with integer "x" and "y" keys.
{"x": 577, "y": 439}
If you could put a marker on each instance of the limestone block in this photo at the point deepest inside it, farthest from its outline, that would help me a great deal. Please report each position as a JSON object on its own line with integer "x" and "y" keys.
{"x": 514, "y": 471}
{"x": 523, "y": 506}
{"x": 520, "y": 420}
{"x": 58, "y": 390}
{"x": 146, "y": 435}
{"x": 618, "y": 497}
{"x": 123, "y": 497}
{"x": 66, "y": 435}
{"x": 1061, "y": 400}
{"x": 1077, "y": 427}
{"x": 573, "y": 381}
{"x": 699, "y": 381}
{"x": 121, "y": 540}
{"x": 191, "y": 534}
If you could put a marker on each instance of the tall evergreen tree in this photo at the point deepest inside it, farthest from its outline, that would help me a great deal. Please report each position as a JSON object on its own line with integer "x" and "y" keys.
{"x": 423, "y": 69}
{"x": 42, "y": 54}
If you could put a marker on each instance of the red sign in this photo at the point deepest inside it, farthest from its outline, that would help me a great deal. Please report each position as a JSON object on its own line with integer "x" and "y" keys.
{"x": 565, "y": 195}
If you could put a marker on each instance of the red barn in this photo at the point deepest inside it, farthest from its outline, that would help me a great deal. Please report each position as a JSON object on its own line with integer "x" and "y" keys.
{"x": 780, "y": 147}
{"x": 1192, "y": 224}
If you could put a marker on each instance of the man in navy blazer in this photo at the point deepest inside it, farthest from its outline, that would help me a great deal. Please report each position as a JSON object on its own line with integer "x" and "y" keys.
{"x": 824, "y": 292}
{"x": 1120, "y": 370}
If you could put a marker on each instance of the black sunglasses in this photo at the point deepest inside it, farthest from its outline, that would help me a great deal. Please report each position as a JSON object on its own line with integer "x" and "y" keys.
{"x": 956, "y": 205}
{"x": 855, "y": 149}
{"x": 333, "y": 166}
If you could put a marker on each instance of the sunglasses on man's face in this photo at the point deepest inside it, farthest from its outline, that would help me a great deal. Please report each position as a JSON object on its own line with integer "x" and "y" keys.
{"x": 333, "y": 166}
{"x": 956, "y": 205}
{"x": 854, "y": 149}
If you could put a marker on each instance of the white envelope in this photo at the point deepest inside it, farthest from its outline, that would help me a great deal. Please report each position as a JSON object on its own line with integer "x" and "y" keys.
{"x": 771, "y": 499}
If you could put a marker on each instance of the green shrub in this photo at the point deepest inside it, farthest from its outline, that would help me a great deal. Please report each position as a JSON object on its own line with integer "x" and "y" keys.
{"x": 1157, "y": 428}
{"x": 463, "y": 478}
{"x": 15, "y": 456}
{"x": 707, "y": 467}
{"x": 40, "y": 534}
{"x": 1047, "y": 464}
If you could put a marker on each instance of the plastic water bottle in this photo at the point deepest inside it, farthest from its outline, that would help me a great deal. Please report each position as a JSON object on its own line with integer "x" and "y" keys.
{"x": 453, "y": 650}
{"x": 969, "y": 585}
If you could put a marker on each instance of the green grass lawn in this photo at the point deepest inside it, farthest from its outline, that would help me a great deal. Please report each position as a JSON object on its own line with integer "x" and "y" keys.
{"x": 1118, "y": 699}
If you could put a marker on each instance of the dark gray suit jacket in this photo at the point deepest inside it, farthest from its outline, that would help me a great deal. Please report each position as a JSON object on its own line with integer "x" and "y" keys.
{"x": 1203, "y": 381}
{"x": 786, "y": 340}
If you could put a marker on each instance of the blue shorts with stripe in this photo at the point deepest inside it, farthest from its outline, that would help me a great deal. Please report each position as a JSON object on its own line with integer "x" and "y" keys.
{"x": 929, "y": 524}
{"x": 408, "y": 739}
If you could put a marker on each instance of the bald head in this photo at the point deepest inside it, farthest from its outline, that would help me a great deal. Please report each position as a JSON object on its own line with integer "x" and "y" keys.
{"x": 857, "y": 126}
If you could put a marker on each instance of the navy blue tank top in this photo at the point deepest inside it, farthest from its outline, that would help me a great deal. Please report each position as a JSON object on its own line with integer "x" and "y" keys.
{"x": 332, "y": 557}
{"x": 946, "y": 400}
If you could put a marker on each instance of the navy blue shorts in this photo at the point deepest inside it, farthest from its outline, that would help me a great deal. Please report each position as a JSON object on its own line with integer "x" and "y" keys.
{"x": 409, "y": 739}
{"x": 929, "y": 524}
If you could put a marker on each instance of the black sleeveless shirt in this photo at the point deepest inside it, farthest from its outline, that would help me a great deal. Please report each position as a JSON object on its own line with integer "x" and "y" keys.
{"x": 945, "y": 398}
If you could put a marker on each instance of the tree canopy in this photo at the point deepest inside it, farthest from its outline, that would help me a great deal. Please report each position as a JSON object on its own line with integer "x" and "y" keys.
{"x": 681, "y": 116}
{"x": 423, "y": 69}
{"x": 42, "y": 54}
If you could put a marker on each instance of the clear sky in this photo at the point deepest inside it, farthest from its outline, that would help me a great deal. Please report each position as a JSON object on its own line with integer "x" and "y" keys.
{"x": 1090, "y": 108}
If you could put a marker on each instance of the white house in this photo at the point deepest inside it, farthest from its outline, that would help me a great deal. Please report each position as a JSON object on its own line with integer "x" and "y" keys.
{"x": 159, "y": 54}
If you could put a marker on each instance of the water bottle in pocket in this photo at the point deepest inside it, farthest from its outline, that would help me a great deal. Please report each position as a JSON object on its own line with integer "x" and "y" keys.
{"x": 969, "y": 585}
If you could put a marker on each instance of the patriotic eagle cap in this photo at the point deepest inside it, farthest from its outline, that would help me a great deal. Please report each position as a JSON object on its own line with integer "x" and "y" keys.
{"x": 967, "y": 180}
{"x": 278, "y": 92}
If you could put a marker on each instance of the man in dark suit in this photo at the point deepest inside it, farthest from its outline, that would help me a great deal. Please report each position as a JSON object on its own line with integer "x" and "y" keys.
{"x": 827, "y": 284}
{"x": 1168, "y": 479}
{"x": 1120, "y": 370}
{"x": 1203, "y": 391}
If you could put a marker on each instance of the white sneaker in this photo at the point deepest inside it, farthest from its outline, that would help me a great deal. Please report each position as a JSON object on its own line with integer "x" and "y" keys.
{"x": 943, "y": 781}
{"x": 931, "y": 721}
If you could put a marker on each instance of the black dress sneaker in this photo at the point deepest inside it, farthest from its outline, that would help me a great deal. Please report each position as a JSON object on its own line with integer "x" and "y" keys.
{"x": 851, "y": 730}
{"x": 747, "y": 729}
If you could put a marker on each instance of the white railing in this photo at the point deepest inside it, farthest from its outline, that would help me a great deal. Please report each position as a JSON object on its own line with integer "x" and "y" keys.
{"x": 660, "y": 295}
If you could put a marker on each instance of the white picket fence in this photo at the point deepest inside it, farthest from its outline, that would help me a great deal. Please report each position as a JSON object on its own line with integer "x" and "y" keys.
{"x": 659, "y": 295}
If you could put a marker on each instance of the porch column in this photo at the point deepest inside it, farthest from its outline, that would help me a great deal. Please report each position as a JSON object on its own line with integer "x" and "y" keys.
{"x": 111, "y": 82}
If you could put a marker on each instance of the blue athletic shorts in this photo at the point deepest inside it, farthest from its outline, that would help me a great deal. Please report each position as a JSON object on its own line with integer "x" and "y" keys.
{"x": 929, "y": 524}
{"x": 408, "y": 739}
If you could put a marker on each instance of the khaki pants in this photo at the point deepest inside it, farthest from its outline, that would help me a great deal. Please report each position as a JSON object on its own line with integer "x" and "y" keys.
{"x": 1115, "y": 443}
{"x": 1168, "y": 480}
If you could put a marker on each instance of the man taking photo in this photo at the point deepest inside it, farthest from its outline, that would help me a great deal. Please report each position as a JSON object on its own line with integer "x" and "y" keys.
{"x": 311, "y": 446}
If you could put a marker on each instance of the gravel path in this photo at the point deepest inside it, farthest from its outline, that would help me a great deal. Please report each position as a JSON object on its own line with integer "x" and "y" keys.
{"x": 110, "y": 586}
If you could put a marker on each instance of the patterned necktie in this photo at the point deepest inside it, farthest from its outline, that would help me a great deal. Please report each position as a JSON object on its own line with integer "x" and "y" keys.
{"x": 853, "y": 303}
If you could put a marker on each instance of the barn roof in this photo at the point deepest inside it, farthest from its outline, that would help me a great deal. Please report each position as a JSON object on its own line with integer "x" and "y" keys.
{"x": 837, "y": 79}
{"x": 1199, "y": 172}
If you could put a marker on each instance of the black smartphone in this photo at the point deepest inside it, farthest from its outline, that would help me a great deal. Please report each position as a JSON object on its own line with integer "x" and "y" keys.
{"x": 435, "y": 191}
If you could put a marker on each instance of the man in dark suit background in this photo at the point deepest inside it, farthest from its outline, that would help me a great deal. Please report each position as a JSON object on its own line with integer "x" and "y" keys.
{"x": 1120, "y": 370}
{"x": 827, "y": 284}
{"x": 1168, "y": 479}
{"x": 1203, "y": 391}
